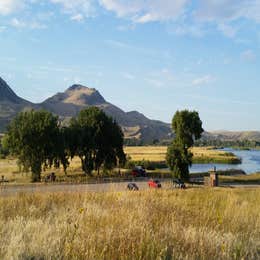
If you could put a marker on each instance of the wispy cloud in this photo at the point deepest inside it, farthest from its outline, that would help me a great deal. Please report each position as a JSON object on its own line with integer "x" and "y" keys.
{"x": 204, "y": 80}
{"x": 77, "y": 9}
{"x": 18, "y": 23}
{"x": 77, "y": 17}
{"x": 227, "y": 30}
{"x": 189, "y": 17}
{"x": 128, "y": 75}
{"x": 143, "y": 11}
{"x": 9, "y": 6}
{"x": 248, "y": 55}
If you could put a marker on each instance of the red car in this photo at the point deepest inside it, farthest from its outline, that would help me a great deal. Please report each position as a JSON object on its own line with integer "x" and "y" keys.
{"x": 154, "y": 184}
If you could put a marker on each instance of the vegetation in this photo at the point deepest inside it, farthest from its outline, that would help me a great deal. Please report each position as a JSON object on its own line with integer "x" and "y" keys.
{"x": 187, "y": 128}
{"x": 239, "y": 144}
{"x": 37, "y": 141}
{"x": 192, "y": 224}
{"x": 97, "y": 140}
{"x": 34, "y": 138}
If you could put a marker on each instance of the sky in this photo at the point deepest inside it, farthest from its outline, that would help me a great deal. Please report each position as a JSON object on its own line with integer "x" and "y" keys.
{"x": 153, "y": 56}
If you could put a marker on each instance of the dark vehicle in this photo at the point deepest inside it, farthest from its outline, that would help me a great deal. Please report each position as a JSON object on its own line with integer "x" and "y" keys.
{"x": 139, "y": 171}
{"x": 154, "y": 184}
{"x": 179, "y": 183}
{"x": 132, "y": 186}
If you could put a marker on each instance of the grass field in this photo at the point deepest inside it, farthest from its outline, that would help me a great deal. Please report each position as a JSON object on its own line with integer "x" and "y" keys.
{"x": 196, "y": 223}
{"x": 200, "y": 154}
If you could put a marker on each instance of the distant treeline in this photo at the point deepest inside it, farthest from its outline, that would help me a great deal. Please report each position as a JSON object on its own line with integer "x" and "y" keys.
{"x": 243, "y": 144}
{"x": 141, "y": 142}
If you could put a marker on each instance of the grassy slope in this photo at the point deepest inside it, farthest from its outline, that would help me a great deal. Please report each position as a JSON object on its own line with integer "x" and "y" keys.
{"x": 192, "y": 224}
{"x": 245, "y": 179}
{"x": 200, "y": 154}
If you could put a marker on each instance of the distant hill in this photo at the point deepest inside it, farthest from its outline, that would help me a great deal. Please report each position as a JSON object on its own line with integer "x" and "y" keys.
{"x": 10, "y": 104}
{"x": 232, "y": 135}
{"x": 68, "y": 104}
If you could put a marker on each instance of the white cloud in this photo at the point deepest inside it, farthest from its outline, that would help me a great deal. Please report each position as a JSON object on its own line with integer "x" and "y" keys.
{"x": 188, "y": 29}
{"x": 18, "y": 23}
{"x": 228, "y": 10}
{"x": 77, "y": 8}
{"x": 9, "y": 6}
{"x": 77, "y": 18}
{"x": 248, "y": 55}
{"x": 204, "y": 80}
{"x": 143, "y": 11}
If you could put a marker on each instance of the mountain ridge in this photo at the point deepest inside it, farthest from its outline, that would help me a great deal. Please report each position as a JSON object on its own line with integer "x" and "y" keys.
{"x": 134, "y": 124}
{"x": 68, "y": 104}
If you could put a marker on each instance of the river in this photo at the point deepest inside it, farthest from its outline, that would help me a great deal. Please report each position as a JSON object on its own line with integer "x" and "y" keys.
{"x": 250, "y": 162}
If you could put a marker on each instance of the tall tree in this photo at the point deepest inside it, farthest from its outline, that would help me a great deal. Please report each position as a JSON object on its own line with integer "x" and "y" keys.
{"x": 33, "y": 137}
{"x": 187, "y": 128}
{"x": 97, "y": 140}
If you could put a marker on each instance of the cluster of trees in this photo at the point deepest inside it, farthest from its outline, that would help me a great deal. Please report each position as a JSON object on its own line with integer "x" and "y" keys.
{"x": 232, "y": 143}
{"x": 187, "y": 128}
{"x": 38, "y": 141}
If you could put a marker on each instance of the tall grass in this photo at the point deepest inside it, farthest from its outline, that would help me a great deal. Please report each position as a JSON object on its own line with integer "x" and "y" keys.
{"x": 189, "y": 224}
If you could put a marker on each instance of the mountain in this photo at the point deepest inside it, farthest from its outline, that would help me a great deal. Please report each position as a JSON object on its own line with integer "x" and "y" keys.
{"x": 77, "y": 97}
{"x": 134, "y": 124}
{"x": 10, "y": 104}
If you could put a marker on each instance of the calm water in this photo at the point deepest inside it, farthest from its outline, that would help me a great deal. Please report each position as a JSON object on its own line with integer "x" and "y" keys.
{"x": 250, "y": 162}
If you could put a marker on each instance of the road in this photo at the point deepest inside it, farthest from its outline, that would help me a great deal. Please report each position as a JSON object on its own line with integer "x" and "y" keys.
{"x": 10, "y": 190}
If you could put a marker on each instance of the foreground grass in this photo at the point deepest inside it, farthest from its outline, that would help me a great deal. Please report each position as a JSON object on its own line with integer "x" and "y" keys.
{"x": 200, "y": 154}
{"x": 190, "y": 224}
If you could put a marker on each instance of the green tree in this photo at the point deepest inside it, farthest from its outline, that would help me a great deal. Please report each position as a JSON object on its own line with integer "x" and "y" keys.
{"x": 97, "y": 140}
{"x": 187, "y": 128}
{"x": 33, "y": 137}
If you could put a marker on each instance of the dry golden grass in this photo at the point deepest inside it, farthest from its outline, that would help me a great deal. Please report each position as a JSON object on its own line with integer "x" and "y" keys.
{"x": 190, "y": 224}
{"x": 157, "y": 153}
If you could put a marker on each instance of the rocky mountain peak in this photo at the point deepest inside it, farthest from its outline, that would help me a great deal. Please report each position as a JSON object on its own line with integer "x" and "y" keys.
{"x": 81, "y": 95}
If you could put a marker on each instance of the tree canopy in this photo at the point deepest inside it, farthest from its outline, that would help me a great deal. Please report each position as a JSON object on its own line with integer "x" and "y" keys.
{"x": 187, "y": 128}
{"x": 97, "y": 140}
{"x": 33, "y": 137}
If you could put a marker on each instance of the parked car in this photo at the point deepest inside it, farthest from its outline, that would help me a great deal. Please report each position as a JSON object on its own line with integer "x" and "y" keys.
{"x": 139, "y": 171}
{"x": 154, "y": 184}
{"x": 132, "y": 186}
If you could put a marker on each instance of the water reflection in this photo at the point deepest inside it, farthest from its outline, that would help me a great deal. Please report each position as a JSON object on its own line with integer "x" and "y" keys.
{"x": 250, "y": 162}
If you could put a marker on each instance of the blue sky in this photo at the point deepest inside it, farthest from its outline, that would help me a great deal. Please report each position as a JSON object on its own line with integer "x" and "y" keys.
{"x": 154, "y": 56}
